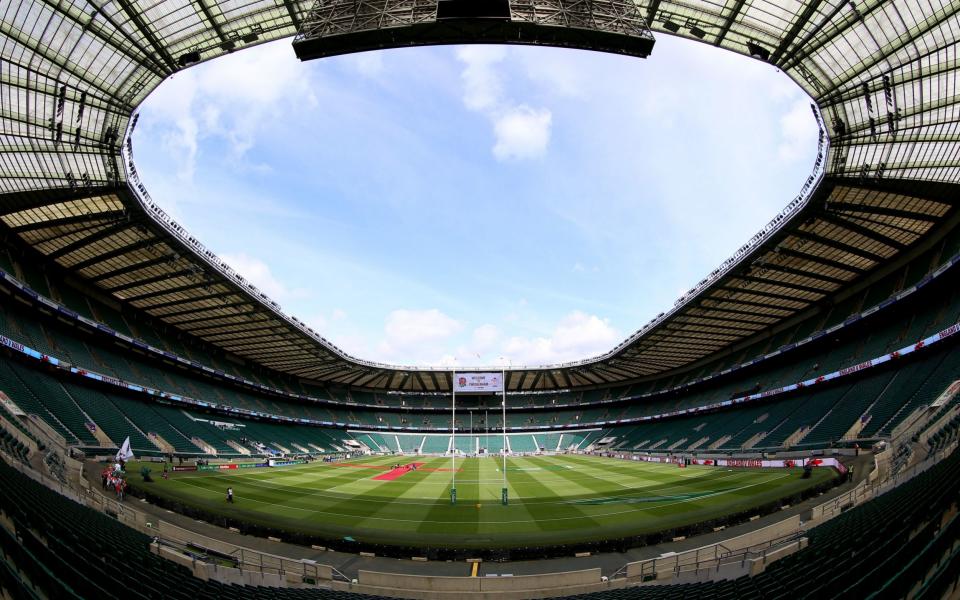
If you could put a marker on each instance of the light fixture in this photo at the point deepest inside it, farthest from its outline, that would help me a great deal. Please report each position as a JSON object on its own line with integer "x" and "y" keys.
{"x": 758, "y": 51}
{"x": 188, "y": 58}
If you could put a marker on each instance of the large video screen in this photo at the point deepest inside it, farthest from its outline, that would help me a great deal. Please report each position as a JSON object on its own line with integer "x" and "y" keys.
{"x": 465, "y": 383}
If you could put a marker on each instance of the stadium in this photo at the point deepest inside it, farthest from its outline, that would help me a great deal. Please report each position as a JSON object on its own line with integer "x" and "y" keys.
{"x": 785, "y": 429}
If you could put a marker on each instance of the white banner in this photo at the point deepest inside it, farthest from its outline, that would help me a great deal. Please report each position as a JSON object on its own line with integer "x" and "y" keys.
{"x": 754, "y": 463}
{"x": 11, "y": 407}
{"x": 947, "y": 395}
{"x": 477, "y": 382}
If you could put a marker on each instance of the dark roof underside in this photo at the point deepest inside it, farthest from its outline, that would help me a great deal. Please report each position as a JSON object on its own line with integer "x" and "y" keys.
{"x": 883, "y": 74}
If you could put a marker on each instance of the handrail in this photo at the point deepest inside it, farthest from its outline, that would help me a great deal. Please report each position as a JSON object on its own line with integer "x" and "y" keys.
{"x": 714, "y": 555}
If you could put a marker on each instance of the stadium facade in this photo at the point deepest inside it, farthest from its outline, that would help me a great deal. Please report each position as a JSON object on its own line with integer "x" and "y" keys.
{"x": 881, "y": 75}
{"x": 835, "y": 325}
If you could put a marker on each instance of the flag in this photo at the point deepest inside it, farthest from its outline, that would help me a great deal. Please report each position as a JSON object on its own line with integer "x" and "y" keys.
{"x": 125, "y": 453}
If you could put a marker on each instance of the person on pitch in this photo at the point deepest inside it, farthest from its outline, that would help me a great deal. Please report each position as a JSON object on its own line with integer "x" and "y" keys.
{"x": 230, "y": 495}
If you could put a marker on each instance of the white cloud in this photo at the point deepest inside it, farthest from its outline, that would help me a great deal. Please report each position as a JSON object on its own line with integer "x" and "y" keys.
{"x": 322, "y": 322}
{"x": 415, "y": 326}
{"x": 578, "y": 335}
{"x": 368, "y": 64}
{"x": 798, "y": 132}
{"x": 483, "y": 87}
{"x": 409, "y": 335}
{"x": 484, "y": 338}
{"x": 522, "y": 132}
{"x": 234, "y": 98}
{"x": 559, "y": 73}
{"x": 447, "y": 360}
{"x": 579, "y": 267}
{"x": 259, "y": 274}
{"x": 425, "y": 337}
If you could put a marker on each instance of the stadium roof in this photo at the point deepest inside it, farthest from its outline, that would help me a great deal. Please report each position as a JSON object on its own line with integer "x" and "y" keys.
{"x": 882, "y": 74}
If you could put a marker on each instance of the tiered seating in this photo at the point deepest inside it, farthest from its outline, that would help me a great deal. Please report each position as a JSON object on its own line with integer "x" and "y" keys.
{"x": 190, "y": 428}
{"x": 289, "y": 437}
{"x": 863, "y": 551}
{"x": 30, "y": 333}
{"x": 135, "y": 325}
{"x": 466, "y": 444}
{"x": 148, "y": 421}
{"x": 44, "y": 397}
{"x": 62, "y": 549}
{"x": 521, "y": 443}
{"x": 907, "y": 381}
{"x": 845, "y": 413}
{"x": 16, "y": 422}
{"x": 112, "y": 318}
{"x": 55, "y": 466}
{"x": 10, "y": 327}
{"x": 659, "y": 435}
{"x": 548, "y": 441}
{"x": 14, "y": 447}
{"x": 410, "y": 443}
{"x": 36, "y": 279}
{"x": 78, "y": 353}
{"x": 75, "y": 301}
{"x": 944, "y": 374}
{"x": 946, "y": 435}
{"x": 780, "y": 418}
{"x": 491, "y": 443}
{"x": 436, "y": 444}
{"x": 579, "y": 441}
{"x": 6, "y": 263}
{"x": 379, "y": 443}
{"x": 110, "y": 420}
{"x": 807, "y": 414}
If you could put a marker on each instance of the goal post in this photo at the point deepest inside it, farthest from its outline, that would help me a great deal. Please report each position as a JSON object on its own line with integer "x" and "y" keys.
{"x": 475, "y": 382}
{"x": 504, "y": 495}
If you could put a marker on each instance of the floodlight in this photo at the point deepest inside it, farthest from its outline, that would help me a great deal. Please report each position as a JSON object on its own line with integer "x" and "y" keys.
{"x": 189, "y": 58}
{"x": 758, "y": 51}
{"x": 671, "y": 26}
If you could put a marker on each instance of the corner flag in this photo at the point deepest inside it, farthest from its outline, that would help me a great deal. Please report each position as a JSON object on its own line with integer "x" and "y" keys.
{"x": 125, "y": 453}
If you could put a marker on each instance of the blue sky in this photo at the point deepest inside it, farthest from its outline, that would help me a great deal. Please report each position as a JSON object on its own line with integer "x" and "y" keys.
{"x": 478, "y": 205}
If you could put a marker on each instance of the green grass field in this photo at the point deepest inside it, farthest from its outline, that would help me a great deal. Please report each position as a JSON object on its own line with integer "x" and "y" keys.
{"x": 553, "y": 500}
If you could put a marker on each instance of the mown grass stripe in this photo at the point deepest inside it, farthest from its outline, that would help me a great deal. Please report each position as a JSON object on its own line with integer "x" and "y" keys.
{"x": 415, "y": 508}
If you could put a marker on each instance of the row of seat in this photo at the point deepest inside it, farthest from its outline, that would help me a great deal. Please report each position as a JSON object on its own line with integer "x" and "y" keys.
{"x": 67, "y": 550}
{"x": 821, "y": 415}
{"x": 133, "y": 326}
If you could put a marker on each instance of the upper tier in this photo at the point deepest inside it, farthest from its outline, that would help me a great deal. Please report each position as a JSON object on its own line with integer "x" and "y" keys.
{"x": 908, "y": 305}
{"x": 882, "y": 74}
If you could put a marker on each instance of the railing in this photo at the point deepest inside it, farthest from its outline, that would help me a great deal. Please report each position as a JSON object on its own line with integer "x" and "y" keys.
{"x": 674, "y": 565}
{"x": 868, "y": 490}
{"x": 61, "y": 488}
{"x": 45, "y": 432}
{"x": 248, "y": 560}
{"x": 717, "y": 555}
{"x": 708, "y": 558}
